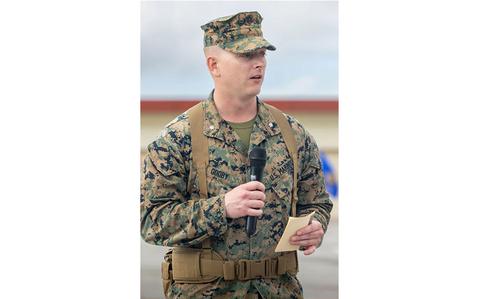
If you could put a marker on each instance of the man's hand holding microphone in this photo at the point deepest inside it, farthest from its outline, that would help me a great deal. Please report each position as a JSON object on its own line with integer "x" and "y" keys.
{"x": 248, "y": 199}
{"x": 245, "y": 200}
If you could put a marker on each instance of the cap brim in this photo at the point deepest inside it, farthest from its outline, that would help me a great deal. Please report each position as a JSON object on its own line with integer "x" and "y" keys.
{"x": 249, "y": 44}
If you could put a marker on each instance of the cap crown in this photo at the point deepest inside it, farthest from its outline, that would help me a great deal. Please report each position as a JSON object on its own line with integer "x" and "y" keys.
{"x": 239, "y": 33}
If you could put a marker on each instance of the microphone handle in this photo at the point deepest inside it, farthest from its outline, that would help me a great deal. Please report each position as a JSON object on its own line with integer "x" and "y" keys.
{"x": 251, "y": 220}
{"x": 251, "y": 225}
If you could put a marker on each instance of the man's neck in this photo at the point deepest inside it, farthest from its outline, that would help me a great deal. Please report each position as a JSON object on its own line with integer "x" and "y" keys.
{"x": 234, "y": 108}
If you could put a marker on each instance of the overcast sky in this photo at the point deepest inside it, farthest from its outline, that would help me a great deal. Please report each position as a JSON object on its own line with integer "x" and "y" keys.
{"x": 305, "y": 64}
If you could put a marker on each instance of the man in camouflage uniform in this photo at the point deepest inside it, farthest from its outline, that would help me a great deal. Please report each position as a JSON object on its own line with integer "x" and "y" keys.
{"x": 172, "y": 211}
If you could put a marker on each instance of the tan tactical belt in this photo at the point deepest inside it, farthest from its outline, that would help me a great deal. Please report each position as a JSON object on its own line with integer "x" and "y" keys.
{"x": 202, "y": 265}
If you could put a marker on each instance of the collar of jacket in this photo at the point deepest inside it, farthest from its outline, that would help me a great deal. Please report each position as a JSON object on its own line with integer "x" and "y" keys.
{"x": 216, "y": 127}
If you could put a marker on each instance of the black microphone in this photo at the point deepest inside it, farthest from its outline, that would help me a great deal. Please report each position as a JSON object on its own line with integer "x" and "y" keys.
{"x": 258, "y": 158}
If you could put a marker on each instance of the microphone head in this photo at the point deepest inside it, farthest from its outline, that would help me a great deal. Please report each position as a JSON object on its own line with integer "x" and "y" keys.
{"x": 258, "y": 156}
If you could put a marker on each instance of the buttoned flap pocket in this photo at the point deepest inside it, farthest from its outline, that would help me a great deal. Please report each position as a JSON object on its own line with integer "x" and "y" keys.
{"x": 166, "y": 163}
{"x": 219, "y": 175}
{"x": 282, "y": 187}
{"x": 166, "y": 170}
{"x": 279, "y": 178}
{"x": 221, "y": 179}
{"x": 280, "y": 193}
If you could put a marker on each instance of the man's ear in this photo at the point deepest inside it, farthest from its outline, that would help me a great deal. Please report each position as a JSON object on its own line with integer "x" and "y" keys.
{"x": 212, "y": 64}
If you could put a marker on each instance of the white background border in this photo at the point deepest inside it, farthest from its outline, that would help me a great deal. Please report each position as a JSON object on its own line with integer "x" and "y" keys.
{"x": 409, "y": 155}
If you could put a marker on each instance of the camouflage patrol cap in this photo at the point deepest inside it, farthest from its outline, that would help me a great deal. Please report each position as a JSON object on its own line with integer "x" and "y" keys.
{"x": 239, "y": 33}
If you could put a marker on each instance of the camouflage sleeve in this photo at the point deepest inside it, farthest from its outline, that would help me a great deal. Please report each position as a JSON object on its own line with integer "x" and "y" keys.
{"x": 168, "y": 216}
{"x": 312, "y": 194}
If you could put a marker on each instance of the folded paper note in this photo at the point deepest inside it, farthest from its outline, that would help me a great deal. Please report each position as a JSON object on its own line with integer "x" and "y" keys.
{"x": 294, "y": 224}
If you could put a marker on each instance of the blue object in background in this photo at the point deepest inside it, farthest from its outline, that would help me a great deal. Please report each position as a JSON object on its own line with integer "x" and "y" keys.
{"x": 330, "y": 179}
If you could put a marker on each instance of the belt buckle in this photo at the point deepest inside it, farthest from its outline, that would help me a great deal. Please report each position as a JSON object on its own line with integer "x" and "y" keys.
{"x": 243, "y": 270}
{"x": 268, "y": 268}
{"x": 258, "y": 269}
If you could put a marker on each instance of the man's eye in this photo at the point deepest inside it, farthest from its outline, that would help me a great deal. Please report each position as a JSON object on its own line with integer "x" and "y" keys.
{"x": 246, "y": 55}
{"x": 251, "y": 55}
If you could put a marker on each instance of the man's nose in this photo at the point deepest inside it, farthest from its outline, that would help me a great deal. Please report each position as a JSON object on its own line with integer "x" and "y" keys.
{"x": 260, "y": 63}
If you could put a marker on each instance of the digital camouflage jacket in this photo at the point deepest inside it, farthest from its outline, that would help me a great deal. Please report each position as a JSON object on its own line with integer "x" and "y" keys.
{"x": 170, "y": 216}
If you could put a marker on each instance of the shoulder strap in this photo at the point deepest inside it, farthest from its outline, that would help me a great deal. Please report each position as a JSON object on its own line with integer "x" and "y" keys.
{"x": 199, "y": 144}
{"x": 289, "y": 138}
{"x": 199, "y": 148}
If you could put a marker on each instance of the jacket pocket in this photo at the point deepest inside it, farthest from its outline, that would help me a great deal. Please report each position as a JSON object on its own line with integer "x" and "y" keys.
{"x": 282, "y": 190}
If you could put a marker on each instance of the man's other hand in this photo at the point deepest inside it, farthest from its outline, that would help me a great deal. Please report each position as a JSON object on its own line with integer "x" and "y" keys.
{"x": 308, "y": 237}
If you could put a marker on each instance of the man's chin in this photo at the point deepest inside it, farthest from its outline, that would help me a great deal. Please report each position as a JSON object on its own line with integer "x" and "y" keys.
{"x": 254, "y": 91}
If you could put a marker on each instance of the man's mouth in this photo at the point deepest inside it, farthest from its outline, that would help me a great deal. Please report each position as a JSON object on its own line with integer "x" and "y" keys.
{"x": 256, "y": 77}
